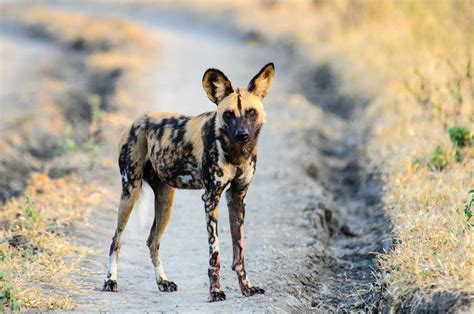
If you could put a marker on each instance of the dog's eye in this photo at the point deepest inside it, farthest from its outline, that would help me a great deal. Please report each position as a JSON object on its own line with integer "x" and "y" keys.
{"x": 228, "y": 115}
{"x": 252, "y": 112}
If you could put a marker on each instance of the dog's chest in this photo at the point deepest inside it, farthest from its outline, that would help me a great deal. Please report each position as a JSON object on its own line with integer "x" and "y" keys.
{"x": 241, "y": 173}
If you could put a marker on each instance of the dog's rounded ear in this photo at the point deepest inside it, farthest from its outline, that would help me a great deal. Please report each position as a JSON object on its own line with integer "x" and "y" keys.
{"x": 261, "y": 83}
{"x": 216, "y": 85}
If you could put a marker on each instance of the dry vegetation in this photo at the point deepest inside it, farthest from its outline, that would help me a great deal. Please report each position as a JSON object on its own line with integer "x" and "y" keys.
{"x": 424, "y": 52}
{"x": 85, "y": 31}
{"x": 111, "y": 42}
{"x": 418, "y": 57}
{"x": 38, "y": 257}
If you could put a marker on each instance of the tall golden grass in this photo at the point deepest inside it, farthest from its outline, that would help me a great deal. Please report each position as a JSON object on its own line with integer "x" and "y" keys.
{"x": 425, "y": 54}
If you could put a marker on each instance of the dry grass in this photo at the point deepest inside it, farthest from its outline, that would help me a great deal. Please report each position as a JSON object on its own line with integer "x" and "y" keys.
{"x": 418, "y": 55}
{"x": 115, "y": 60}
{"x": 40, "y": 262}
{"x": 421, "y": 56}
{"x": 436, "y": 244}
{"x": 37, "y": 255}
{"x": 110, "y": 42}
{"x": 429, "y": 88}
{"x": 85, "y": 31}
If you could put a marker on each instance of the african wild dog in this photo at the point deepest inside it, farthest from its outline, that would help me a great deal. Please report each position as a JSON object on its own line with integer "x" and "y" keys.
{"x": 208, "y": 151}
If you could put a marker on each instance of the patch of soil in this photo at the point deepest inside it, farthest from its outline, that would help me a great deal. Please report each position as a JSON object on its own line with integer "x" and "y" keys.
{"x": 442, "y": 302}
{"x": 24, "y": 246}
{"x": 14, "y": 175}
{"x": 323, "y": 88}
{"x": 346, "y": 276}
{"x": 60, "y": 172}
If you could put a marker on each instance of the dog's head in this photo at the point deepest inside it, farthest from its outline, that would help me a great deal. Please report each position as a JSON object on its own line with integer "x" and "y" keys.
{"x": 240, "y": 111}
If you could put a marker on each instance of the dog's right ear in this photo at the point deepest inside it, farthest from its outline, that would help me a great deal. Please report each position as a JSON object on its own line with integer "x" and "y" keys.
{"x": 216, "y": 85}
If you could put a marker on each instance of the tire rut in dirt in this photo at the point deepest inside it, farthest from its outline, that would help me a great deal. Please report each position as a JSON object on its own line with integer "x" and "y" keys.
{"x": 345, "y": 275}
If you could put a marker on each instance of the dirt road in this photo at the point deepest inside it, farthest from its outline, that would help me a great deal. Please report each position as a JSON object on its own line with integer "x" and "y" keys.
{"x": 276, "y": 239}
{"x": 313, "y": 215}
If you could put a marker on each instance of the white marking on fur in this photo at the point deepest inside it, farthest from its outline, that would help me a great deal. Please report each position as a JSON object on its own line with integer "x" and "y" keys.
{"x": 186, "y": 178}
{"x": 125, "y": 177}
{"x": 227, "y": 168}
{"x": 220, "y": 89}
{"x": 160, "y": 272}
{"x": 215, "y": 245}
{"x": 248, "y": 170}
{"x": 112, "y": 267}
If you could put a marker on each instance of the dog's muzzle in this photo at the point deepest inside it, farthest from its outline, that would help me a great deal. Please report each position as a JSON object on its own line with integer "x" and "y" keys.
{"x": 242, "y": 136}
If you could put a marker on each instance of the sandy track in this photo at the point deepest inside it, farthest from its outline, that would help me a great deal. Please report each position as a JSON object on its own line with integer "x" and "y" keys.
{"x": 277, "y": 243}
{"x": 309, "y": 238}
{"x": 19, "y": 52}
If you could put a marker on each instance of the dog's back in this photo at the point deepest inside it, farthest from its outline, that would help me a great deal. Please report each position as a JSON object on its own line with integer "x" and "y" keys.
{"x": 172, "y": 143}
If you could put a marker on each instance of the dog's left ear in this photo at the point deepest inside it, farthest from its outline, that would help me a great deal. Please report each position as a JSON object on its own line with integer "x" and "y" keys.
{"x": 260, "y": 84}
{"x": 216, "y": 85}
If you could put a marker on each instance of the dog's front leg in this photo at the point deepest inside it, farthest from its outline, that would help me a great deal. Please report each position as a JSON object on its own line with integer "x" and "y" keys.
{"x": 236, "y": 204}
{"x": 211, "y": 201}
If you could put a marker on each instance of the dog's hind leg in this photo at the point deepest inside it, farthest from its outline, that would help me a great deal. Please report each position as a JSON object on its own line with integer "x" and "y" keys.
{"x": 132, "y": 159}
{"x": 164, "y": 196}
{"x": 125, "y": 208}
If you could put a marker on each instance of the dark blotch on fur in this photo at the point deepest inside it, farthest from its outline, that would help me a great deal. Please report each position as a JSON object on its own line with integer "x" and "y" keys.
{"x": 210, "y": 161}
{"x": 167, "y": 286}
{"x": 179, "y": 130}
{"x": 126, "y": 163}
{"x": 239, "y": 100}
{"x": 213, "y": 261}
{"x": 217, "y": 295}
{"x": 178, "y": 153}
{"x": 110, "y": 285}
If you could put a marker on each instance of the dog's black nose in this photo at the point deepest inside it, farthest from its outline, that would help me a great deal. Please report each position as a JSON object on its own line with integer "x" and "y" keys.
{"x": 242, "y": 135}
